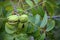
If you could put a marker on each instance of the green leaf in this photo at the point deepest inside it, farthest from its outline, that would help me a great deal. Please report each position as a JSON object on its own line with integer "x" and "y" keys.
{"x": 8, "y": 37}
{"x": 50, "y": 25}
{"x": 5, "y": 3}
{"x": 40, "y": 11}
{"x": 0, "y": 11}
{"x": 42, "y": 36}
{"x": 29, "y": 2}
{"x": 36, "y": 1}
{"x": 37, "y": 19}
{"x": 19, "y": 9}
{"x": 50, "y": 9}
{"x": 44, "y": 21}
{"x": 36, "y": 32}
{"x": 34, "y": 11}
{"x": 10, "y": 29}
{"x": 52, "y": 2}
{"x": 30, "y": 28}
{"x": 31, "y": 24}
{"x": 22, "y": 36}
{"x": 32, "y": 19}
{"x": 8, "y": 8}
{"x": 23, "y": 30}
{"x": 4, "y": 12}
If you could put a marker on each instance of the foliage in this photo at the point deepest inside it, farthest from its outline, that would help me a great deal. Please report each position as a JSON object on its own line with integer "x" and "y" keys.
{"x": 37, "y": 24}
